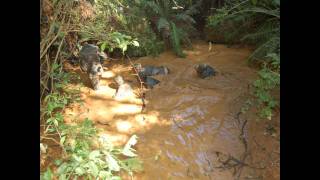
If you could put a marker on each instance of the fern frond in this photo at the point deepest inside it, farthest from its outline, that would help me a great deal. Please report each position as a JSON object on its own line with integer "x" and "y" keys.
{"x": 274, "y": 12}
{"x": 151, "y": 5}
{"x": 184, "y": 36}
{"x": 260, "y": 35}
{"x": 175, "y": 40}
{"x": 185, "y": 17}
{"x": 272, "y": 45}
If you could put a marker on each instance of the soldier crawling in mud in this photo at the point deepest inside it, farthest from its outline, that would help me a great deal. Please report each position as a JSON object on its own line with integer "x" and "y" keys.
{"x": 147, "y": 71}
{"x": 204, "y": 71}
{"x": 90, "y": 62}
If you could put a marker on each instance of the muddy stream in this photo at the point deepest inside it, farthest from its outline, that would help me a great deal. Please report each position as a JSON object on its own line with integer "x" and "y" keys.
{"x": 189, "y": 124}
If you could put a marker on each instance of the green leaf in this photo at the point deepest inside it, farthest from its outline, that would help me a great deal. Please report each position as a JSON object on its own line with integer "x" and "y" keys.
{"x": 104, "y": 174}
{"x": 254, "y": 2}
{"x": 63, "y": 177}
{"x": 62, "y": 140}
{"x": 93, "y": 168}
{"x": 51, "y": 130}
{"x": 57, "y": 162}
{"x": 61, "y": 34}
{"x": 135, "y": 43}
{"x": 79, "y": 171}
{"x": 133, "y": 164}
{"x": 62, "y": 168}
{"x": 117, "y": 40}
{"x": 94, "y": 154}
{"x": 77, "y": 158}
{"x": 127, "y": 150}
{"x": 115, "y": 178}
{"x": 50, "y": 107}
{"x": 49, "y": 121}
{"x": 103, "y": 46}
{"x": 47, "y": 175}
{"x": 55, "y": 66}
{"x": 55, "y": 122}
{"x": 59, "y": 117}
{"x": 112, "y": 163}
{"x": 65, "y": 101}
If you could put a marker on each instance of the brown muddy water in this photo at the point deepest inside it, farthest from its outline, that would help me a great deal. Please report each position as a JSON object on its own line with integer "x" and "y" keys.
{"x": 189, "y": 128}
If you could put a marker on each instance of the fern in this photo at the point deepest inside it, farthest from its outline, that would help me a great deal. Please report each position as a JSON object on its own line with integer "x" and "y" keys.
{"x": 151, "y": 5}
{"x": 256, "y": 22}
{"x": 173, "y": 18}
{"x": 272, "y": 45}
{"x": 175, "y": 39}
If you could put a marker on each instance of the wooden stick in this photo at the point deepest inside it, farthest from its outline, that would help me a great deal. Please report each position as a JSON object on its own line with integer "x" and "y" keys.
{"x": 142, "y": 94}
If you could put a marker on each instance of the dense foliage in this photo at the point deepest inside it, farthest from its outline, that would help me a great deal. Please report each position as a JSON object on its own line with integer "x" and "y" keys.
{"x": 84, "y": 153}
{"x": 137, "y": 28}
{"x": 64, "y": 26}
{"x": 256, "y": 22}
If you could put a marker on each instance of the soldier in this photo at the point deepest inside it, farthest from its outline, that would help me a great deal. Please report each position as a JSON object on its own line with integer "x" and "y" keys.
{"x": 90, "y": 62}
{"x": 147, "y": 71}
{"x": 151, "y": 70}
{"x": 204, "y": 71}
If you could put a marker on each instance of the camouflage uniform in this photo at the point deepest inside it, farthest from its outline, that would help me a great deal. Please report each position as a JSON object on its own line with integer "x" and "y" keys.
{"x": 90, "y": 62}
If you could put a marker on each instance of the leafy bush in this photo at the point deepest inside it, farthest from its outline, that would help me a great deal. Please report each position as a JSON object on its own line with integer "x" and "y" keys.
{"x": 149, "y": 44}
{"x": 120, "y": 24}
{"x": 82, "y": 158}
{"x": 257, "y": 23}
{"x": 60, "y": 97}
{"x": 86, "y": 160}
{"x": 63, "y": 27}
{"x": 268, "y": 80}
{"x": 118, "y": 40}
{"x": 172, "y": 20}
{"x": 254, "y": 22}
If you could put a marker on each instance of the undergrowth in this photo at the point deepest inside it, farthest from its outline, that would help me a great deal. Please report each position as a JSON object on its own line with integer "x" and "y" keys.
{"x": 65, "y": 25}
{"x": 171, "y": 20}
{"x": 135, "y": 28}
{"x": 91, "y": 156}
{"x": 85, "y": 154}
{"x": 256, "y": 23}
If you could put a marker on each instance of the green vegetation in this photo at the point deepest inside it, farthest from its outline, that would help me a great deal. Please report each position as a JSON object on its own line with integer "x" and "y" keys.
{"x": 256, "y": 23}
{"x": 84, "y": 153}
{"x": 172, "y": 20}
{"x": 99, "y": 162}
{"x": 118, "y": 24}
{"x": 137, "y": 28}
